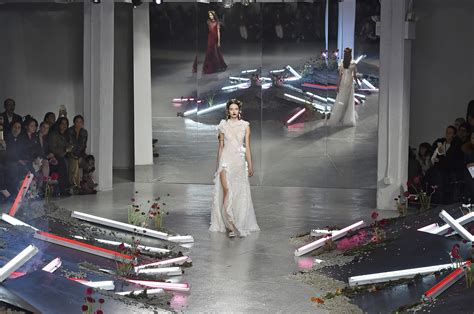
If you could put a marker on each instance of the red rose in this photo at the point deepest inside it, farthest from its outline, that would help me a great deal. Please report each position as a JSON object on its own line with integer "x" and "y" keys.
{"x": 121, "y": 247}
{"x": 84, "y": 308}
{"x": 455, "y": 251}
{"x": 89, "y": 291}
{"x": 406, "y": 194}
{"x": 54, "y": 176}
{"x": 374, "y": 215}
{"x": 99, "y": 312}
{"x": 417, "y": 180}
{"x": 90, "y": 300}
{"x": 101, "y": 301}
{"x": 383, "y": 222}
{"x": 133, "y": 200}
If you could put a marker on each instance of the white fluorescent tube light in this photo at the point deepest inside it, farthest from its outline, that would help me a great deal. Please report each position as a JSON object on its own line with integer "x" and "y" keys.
{"x": 293, "y": 71}
{"x": 120, "y": 225}
{"x": 178, "y": 260}
{"x": 334, "y": 236}
{"x": 317, "y": 97}
{"x": 456, "y": 226}
{"x": 237, "y": 86}
{"x": 331, "y": 100}
{"x": 140, "y": 247}
{"x": 359, "y": 58}
{"x": 304, "y": 101}
{"x": 238, "y": 78}
{"x": 249, "y": 71}
{"x": 210, "y": 109}
{"x": 181, "y": 239}
{"x": 319, "y": 232}
{"x": 18, "y": 261}
{"x": 368, "y": 84}
{"x": 266, "y": 85}
{"x": 463, "y": 220}
{"x": 277, "y": 71}
{"x": 190, "y": 112}
{"x": 53, "y": 265}
{"x": 137, "y": 292}
{"x": 397, "y": 274}
{"x": 360, "y": 95}
{"x": 184, "y": 287}
{"x": 168, "y": 271}
{"x": 16, "y": 222}
{"x": 444, "y": 284}
{"x": 266, "y": 78}
{"x": 291, "y": 79}
{"x": 104, "y": 285}
{"x": 299, "y": 113}
{"x": 428, "y": 228}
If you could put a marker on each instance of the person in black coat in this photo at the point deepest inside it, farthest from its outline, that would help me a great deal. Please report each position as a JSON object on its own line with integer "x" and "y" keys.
{"x": 17, "y": 165}
{"x": 9, "y": 115}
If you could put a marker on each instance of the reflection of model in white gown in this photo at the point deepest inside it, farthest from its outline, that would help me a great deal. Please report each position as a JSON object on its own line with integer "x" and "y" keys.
{"x": 238, "y": 208}
{"x": 343, "y": 113}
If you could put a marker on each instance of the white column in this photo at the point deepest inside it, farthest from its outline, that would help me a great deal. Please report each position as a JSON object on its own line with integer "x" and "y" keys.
{"x": 142, "y": 94}
{"x": 346, "y": 26}
{"x": 394, "y": 104}
{"x": 99, "y": 86}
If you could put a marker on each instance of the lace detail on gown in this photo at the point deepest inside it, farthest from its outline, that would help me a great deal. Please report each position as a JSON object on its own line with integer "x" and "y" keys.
{"x": 238, "y": 210}
{"x": 343, "y": 112}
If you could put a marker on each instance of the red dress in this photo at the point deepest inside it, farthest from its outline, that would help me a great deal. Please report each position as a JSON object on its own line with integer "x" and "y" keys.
{"x": 214, "y": 62}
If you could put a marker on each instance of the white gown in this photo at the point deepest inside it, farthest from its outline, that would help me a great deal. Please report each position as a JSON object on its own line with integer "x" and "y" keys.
{"x": 239, "y": 207}
{"x": 343, "y": 113}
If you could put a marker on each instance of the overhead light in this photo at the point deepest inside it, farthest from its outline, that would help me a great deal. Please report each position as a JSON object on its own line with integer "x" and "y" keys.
{"x": 157, "y": 1}
{"x": 95, "y": 1}
{"x": 227, "y": 4}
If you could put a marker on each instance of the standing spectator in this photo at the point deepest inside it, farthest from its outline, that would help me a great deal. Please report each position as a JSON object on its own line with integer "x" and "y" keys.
{"x": 59, "y": 146}
{"x": 9, "y": 115}
{"x": 78, "y": 139}
{"x": 424, "y": 157}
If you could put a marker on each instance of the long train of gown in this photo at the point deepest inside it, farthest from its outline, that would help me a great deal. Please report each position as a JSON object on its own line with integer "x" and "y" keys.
{"x": 238, "y": 210}
{"x": 343, "y": 112}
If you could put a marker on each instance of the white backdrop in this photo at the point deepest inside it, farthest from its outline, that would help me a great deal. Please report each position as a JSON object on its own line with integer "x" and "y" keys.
{"x": 41, "y": 57}
{"x": 442, "y": 67}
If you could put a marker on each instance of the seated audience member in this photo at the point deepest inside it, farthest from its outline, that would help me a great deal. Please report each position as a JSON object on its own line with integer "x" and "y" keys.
{"x": 458, "y": 122}
{"x": 50, "y": 119}
{"x": 463, "y": 133}
{"x": 468, "y": 150}
{"x": 59, "y": 146}
{"x": 88, "y": 186}
{"x": 9, "y": 115}
{"x": 413, "y": 166}
{"x": 4, "y": 193}
{"x": 61, "y": 114}
{"x": 470, "y": 110}
{"x": 78, "y": 139}
{"x": 34, "y": 152}
{"x": 470, "y": 122}
{"x": 447, "y": 167}
{"x": 17, "y": 165}
{"x": 424, "y": 157}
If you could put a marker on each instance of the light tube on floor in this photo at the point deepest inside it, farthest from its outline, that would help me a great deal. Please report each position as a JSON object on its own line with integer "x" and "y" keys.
{"x": 462, "y": 220}
{"x": 53, "y": 265}
{"x": 428, "y": 228}
{"x": 292, "y": 79}
{"x": 369, "y": 85}
{"x": 178, "y": 260}
{"x": 444, "y": 284}
{"x": 84, "y": 247}
{"x": 138, "y": 292}
{"x": 184, "y": 287}
{"x": 397, "y": 274}
{"x": 319, "y": 232}
{"x": 184, "y": 99}
{"x": 25, "y": 185}
{"x": 15, "y": 222}
{"x": 299, "y": 113}
{"x": 456, "y": 226}
{"x": 296, "y": 74}
{"x": 237, "y": 86}
{"x": 167, "y": 271}
{"x": 120, "y": 225}
{"x": 317, "y": 97}
{"x": 104, "y": 285}
{"x": 181, "y": 238}
{"x": 17, "y": 262}
{"x": 140, "y": 247}
{"x": 239, "y": 78}
{"x": 249, "y": 71}
{"x": 266, "y": 85}
{"x": 334, "y": 236}
{"x": 277, "y": 71}
{"x": 360, "y": 96}
{"x": 359, "y": 58}
{"x": 304, "y": 101}
{"x": 190, "y": 112}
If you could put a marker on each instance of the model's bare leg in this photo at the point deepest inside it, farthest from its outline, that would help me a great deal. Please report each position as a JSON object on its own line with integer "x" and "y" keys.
{"x": 225, "y": 190}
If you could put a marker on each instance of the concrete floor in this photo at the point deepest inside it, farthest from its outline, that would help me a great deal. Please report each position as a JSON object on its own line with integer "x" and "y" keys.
{"x": 240, "y": 275}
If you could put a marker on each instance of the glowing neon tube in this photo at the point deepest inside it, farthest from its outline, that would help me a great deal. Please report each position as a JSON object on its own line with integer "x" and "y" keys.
{"x": 84, "y": 247}
{"x": 304, "y": 101}
{"x": 360, "y": 96}
{"x": 104, "y": 285}
{"x": 359, "y": 58}
{"x": 190, "y": 112}
{"x": 456, "y": 226}
{"x": 368, "y": 84}
{"x": 444, "y": 284}
{"x": 296, "y": 74}
{"x": 17, "y": 262}
{"x": 120, "y": 225}
{"x": 53, "y": 265}
{"x": 140, "y": 247}
{"x": 168, "y": 271}
{"x": 210, "y": 109}
{"x": 240, "y": 85}
{"x": 291, "y": 79}
{"x": 249, "y": 71}
{"x": 184, "y": 287}
{"x": 239, "y": 78}
{"x": 181, "y": 238}
{"x": 137, "y": 292}
{"x": 428, "y": 228}
{"x": 178, "y": 260}
{"x": 397, "y": 274}
{"x": 299, "y": 113}
{"x": 319, "y": 232}
{"x": 277, "y": 71}
{"x": 184, "y": 99}
{"x": 21, "y": 194}
{"x": 15, "y": 222}
{"x": 334, "y": 236}
{"x": 266, "y": 85}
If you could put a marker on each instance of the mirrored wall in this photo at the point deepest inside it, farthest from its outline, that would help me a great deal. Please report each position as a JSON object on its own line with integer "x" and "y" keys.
{"x": 281, "y": 60}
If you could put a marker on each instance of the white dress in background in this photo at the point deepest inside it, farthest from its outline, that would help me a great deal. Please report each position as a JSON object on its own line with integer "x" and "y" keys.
{"x": 239, "y": 207}
{"x": 343, "y": 113}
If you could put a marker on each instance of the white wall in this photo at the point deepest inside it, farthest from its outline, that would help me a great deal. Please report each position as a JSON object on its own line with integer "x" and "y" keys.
{"x": 123, "y": 87}
{"x": 442, "y": 67}
{"x": 41, "y": 57}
